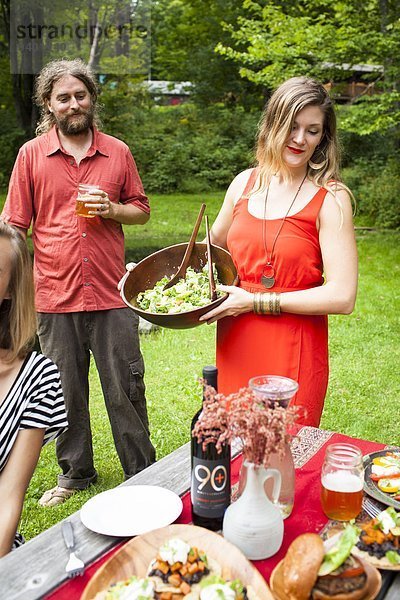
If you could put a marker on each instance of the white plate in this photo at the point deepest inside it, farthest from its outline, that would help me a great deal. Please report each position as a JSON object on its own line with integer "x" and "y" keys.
{"x": 128, "y": 511}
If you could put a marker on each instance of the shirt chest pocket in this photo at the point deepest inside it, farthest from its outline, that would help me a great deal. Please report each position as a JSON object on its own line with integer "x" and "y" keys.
{"x": 112, "y": 188}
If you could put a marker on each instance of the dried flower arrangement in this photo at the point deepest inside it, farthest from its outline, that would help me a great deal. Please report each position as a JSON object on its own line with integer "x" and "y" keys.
{"x": 262, "y": 429}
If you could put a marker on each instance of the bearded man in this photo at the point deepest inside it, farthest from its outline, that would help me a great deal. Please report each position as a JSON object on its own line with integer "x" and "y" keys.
{"x": 78, "y": 263}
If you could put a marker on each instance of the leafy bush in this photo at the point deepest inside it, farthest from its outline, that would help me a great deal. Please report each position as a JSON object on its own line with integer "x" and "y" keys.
{"x": 11, "y": 138}
{"x": 371, "y": 148}
{"x": 376, "y": 187}
{"x": 191, "y": 149}
{"x": 181, "y": 148}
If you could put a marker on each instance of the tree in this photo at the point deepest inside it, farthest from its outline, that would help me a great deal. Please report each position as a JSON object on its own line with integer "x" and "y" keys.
{"x": 324, "y": 39}
{"x": 22, "y": 81}
{"x": 184, "y": 36}
{"x": 108, "y": 34}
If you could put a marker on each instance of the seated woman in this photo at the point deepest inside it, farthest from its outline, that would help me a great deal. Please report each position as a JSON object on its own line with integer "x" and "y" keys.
{"x": 32, "y": 410}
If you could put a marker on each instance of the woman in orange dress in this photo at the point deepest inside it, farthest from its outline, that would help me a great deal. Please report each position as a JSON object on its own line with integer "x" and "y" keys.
{"x": 288, "y": 226}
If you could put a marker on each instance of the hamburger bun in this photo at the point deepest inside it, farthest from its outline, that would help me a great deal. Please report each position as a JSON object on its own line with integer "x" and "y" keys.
{"x": 301, "y": 565}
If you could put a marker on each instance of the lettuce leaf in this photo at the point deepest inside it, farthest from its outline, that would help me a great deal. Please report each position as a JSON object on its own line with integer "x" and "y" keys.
{"x": 393, "y": 557}
{"x": 340, "y": 551}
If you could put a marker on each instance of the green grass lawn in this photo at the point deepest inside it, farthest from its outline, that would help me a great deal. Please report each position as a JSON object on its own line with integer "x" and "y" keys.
{"x": 172, "y": 219}
{"x": 364, "y": 383}
{"x": 364, "y": 348}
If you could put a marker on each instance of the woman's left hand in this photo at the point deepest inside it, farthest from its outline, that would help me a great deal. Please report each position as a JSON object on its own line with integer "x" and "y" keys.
{"x": 239, "y": 301}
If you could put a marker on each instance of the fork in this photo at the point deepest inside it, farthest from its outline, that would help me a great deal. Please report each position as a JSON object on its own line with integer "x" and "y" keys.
{"x": 370, "y": 508}
{"x": 75, "y": 565}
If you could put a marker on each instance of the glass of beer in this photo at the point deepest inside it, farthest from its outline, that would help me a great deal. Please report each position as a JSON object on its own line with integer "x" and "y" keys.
{"x": 87, "y": 200}
{"x": 342, "y": 481}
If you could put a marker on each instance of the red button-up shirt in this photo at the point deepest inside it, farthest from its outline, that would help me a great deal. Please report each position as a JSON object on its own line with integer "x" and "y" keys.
{"x": 78, "y": 261}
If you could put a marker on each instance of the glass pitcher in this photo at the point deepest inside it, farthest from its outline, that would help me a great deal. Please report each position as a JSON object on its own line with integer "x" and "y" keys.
{"x": 280, "y": 390}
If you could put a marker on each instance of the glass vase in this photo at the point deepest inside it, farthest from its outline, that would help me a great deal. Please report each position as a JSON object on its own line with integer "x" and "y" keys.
{"x": 272, "y": 390}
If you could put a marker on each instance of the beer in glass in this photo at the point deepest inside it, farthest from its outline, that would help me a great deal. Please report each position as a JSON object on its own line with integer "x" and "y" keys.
{"x": 87, "y": 200}
{"x": 342, "y": 481}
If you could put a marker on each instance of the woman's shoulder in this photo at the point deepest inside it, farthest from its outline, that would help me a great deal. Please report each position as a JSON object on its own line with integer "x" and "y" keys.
{"x": 244, "y": 176}
{"x": 39, "y": 363}
{"x": 337, "y": 207}
{"x": 338, "y": 191}
{"x": 239, "y": 184}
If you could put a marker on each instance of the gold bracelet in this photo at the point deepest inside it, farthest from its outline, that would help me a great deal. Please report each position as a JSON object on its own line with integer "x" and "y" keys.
{"x": 263, "y": 304}
{"x": 256, "y": 303}
{"x": 276, "y": 303}
{"x": 267, "y": 304}
{"x": 271, "y": 299}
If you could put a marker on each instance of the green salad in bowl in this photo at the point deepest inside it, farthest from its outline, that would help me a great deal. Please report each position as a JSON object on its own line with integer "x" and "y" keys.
{"x": 188, "y": 294}
{"x": 182, "y": 305}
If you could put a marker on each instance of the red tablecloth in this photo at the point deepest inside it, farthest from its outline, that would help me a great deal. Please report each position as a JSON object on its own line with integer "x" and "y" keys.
{"x": 307, "y": 516}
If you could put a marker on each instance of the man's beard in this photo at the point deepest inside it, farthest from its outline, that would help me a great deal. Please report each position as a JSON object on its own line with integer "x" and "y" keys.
{"x": 77, "y": 123}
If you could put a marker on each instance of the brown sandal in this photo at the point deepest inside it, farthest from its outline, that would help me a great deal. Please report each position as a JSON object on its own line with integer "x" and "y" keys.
{"x": 55, "y": 496}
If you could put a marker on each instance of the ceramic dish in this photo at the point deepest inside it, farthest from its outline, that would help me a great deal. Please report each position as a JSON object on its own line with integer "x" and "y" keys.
{"x": 370, "y": 486}
{"x": 128, "y": 511}
{"x": 135, "y": 557}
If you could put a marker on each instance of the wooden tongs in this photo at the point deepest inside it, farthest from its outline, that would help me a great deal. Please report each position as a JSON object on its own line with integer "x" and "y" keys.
{"x": 213, "y": 291}
{"x": 181, "y": 272}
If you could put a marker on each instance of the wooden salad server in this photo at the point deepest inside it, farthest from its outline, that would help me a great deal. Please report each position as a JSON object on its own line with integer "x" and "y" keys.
{"x": 181, "y": 272}
{"x": 213, "y": 291}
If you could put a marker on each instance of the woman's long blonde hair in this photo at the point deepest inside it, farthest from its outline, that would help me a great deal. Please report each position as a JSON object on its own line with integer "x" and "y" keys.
{"x": 276, "y": 124}
{"x": 17, "y": 314}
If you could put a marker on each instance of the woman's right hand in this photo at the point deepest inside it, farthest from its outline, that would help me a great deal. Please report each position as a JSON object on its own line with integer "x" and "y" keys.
{"x": 239, "y": 301}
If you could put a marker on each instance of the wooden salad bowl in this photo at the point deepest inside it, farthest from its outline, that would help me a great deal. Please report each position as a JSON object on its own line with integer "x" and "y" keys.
{"x": 166, "y": 262}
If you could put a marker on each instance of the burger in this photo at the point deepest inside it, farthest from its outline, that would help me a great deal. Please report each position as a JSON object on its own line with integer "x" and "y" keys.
{"x": 311, "y": 571}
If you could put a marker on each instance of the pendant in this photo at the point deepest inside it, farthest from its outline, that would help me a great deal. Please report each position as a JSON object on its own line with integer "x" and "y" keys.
{"x": 268, "y": 277}
{"x": 268, "y": 282}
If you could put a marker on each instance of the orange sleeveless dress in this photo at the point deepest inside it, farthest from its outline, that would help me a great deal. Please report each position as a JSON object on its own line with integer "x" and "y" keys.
{"x": 294, "y": 346}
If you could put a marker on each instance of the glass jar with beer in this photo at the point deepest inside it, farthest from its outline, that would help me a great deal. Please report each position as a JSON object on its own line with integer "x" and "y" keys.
{"x": 342, "y": 481}
{"x": 87, "y": 200}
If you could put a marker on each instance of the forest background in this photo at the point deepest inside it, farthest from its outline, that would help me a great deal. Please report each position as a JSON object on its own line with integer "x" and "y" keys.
{"x": 233, "y": 53}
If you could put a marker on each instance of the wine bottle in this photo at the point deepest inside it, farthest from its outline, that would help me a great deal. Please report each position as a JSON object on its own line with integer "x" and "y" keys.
{"x": 211, "y": 473}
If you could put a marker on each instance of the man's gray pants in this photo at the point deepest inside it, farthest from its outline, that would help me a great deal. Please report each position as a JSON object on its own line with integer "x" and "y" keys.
{"x": 112, "y": 337}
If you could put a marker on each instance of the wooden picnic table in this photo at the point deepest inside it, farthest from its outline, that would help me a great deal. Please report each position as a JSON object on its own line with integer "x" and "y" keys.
{"x": 38, "y": 567}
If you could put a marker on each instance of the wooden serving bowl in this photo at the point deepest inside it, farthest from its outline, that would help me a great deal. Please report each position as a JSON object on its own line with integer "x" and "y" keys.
{"x": 135, "y": 556}
{"x": 166, "y": 262}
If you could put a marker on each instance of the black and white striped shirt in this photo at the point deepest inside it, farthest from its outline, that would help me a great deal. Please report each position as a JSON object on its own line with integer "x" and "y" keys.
{"x": 35, "y": 401}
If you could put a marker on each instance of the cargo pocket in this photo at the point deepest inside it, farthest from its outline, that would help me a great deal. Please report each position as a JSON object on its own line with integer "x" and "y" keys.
{"x": 136, "y": 383}
{"x": 137, "y": 390}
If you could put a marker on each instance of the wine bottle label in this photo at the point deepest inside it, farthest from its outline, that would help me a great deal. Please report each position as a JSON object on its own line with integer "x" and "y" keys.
{"x": 210, "y": 489}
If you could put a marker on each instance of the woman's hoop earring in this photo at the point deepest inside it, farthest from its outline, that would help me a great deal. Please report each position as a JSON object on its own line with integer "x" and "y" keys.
{"x": 318, "y": 165}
